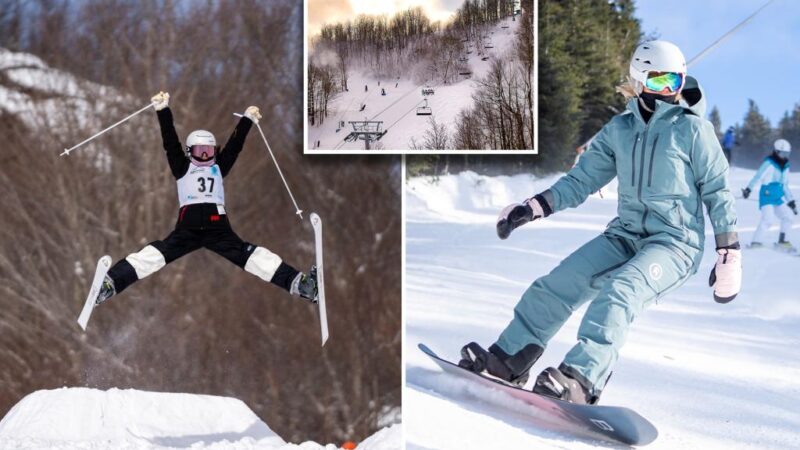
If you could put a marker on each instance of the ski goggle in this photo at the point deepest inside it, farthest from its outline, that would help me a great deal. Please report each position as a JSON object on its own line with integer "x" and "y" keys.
{"x": 203, "y": 152}
{"x": 662, "y": 81}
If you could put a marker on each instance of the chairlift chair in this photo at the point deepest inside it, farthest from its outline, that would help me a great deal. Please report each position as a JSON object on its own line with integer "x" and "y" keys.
{"x": 424, "y": 110}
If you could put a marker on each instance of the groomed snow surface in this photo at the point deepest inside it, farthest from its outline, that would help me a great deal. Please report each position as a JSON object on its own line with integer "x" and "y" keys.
{"x": 90, "y": 419}
{"x": 709, "y": 376}
{"x": 397, "y": 109}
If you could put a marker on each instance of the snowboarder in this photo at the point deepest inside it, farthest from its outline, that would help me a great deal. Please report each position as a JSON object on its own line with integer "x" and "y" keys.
{"x": 383, "y": 91}
{"x": 669, "y": 164}
{"x": 774, "y": 196}
{"x": 202, "y": 220}
{"x": 728, "y": 141}
{"x": 365, "y": 88}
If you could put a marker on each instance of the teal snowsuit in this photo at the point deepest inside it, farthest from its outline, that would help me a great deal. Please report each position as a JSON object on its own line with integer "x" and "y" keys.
{"x": 666, "y": 169}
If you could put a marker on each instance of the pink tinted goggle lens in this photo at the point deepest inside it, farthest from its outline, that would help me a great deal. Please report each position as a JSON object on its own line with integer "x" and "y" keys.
{"x": 198, "y": 151}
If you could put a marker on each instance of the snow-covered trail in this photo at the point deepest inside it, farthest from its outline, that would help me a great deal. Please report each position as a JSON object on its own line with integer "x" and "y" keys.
{"x": 707, "y": 375}
{"x": 397, "y": 109}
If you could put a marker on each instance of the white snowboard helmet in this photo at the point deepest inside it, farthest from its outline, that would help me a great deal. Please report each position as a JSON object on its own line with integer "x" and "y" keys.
{"x": 655, "y": 56}
{"x": 782, "y": 145}
{"x": 201, "y": 147}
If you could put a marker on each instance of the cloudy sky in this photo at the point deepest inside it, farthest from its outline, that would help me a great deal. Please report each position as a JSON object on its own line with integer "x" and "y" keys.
{"x": 321, "y": 12}
{"x": 761, "y": 61}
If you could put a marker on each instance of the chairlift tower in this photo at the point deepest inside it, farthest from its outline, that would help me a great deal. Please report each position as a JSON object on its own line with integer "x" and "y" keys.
{"x": 366, "y": 130}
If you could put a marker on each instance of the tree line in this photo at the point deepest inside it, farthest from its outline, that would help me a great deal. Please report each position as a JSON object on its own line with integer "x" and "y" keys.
{"x": 755, "y": 135}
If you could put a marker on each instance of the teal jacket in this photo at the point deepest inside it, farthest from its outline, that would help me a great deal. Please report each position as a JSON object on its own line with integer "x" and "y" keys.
{"x": 666, "y": 170}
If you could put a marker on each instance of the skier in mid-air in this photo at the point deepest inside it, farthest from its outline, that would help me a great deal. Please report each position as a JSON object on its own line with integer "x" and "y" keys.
{"x": 202, "y": 220}
{"x": 774, "y": 196}
{"x": 668, "y": 163}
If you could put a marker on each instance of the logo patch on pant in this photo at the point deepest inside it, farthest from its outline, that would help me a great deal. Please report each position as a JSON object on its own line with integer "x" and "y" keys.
{"x": 656, "y": 271}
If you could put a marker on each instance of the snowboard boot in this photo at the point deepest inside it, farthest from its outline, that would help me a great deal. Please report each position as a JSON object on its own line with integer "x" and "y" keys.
{"x": 513, "y": 369}
{"x": 305, "y": 286}
{"x": 106, "y": 291}
{"x": 558, "y": 383}
{"x": 755, "y": 245}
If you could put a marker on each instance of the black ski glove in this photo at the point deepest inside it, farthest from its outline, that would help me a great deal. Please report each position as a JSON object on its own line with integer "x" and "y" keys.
{"x": 793, "y": 206}
{"x": 518, "y": 214}
{"x": 746, "y": 192}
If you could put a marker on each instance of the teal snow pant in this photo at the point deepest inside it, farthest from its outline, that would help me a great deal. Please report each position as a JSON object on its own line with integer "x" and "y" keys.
{"x": 620, "y": 277}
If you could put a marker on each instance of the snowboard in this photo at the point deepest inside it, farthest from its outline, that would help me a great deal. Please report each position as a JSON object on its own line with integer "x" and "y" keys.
{"x": 613, "y": 423}
{"x": 316, "y": 223}
{"x": 103, "y": 264}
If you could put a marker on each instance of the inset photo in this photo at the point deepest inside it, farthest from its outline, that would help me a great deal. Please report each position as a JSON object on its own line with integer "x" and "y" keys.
{"x": 415, "y": 76}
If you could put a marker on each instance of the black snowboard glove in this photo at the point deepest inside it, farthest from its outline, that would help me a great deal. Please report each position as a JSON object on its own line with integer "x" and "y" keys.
{"x": 518, "y": 214}
{"x": 793, "y": 206}
{"x": 746, "y": 192}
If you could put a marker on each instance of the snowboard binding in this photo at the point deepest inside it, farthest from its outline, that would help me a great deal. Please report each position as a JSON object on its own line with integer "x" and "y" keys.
{"x": 554, "y": 383}
{"x": 497, "y": 363}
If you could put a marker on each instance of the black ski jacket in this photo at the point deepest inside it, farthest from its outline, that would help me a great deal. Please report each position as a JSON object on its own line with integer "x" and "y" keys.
{"x": 200, "y": 215}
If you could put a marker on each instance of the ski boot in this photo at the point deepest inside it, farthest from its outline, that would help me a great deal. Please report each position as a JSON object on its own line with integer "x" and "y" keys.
{"x": 107, "y": 291}
{"x": 497, "y": 363}
{"x": 784, "y": 246}
{"x": 556, "y": 383}
{"x": 305, "y": 286}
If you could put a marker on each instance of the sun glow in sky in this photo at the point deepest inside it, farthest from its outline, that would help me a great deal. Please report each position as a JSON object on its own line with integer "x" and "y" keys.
{"x": 321, "y": 12}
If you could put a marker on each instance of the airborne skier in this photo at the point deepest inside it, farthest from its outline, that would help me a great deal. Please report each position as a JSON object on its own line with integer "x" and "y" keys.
{"x": 202, "y": 221}
{"x": 774, "y": 196}
{"x": 669, "y": 164}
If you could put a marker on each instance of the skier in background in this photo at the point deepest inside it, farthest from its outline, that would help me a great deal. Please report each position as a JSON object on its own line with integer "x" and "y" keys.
{"x": 669, "y": 164}
{"x": 774, "y": 196}
{"x": 202, "y": 220}
{"x": 728, "y": 141}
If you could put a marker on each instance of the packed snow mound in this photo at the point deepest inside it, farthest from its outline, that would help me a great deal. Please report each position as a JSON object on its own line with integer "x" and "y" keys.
{"x": 85, "y": 418}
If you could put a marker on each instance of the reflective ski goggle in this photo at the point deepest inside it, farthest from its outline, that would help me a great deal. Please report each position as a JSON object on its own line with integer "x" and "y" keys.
{"x": 203, "y": 152}
{"x": 662, "y": 81}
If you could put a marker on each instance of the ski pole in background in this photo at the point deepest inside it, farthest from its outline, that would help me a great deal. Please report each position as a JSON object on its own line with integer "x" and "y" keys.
{"x": 67, "y": 150}
{"x": 298, "y": 211}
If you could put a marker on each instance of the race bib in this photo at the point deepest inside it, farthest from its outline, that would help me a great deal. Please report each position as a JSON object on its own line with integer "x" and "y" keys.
{"x": 201, "y": 185}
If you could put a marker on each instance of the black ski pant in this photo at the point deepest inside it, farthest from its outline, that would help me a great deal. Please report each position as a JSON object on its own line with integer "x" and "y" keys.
{"x": 221, "y": 240}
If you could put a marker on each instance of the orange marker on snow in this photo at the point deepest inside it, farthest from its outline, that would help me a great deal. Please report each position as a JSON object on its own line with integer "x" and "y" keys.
{"x": 349, "y": 445}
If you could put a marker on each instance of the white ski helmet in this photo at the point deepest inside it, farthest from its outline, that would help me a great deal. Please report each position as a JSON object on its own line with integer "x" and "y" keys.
{"x": 201, "y": 147}
{"x": 200, "y": 137}
{"x": 782, "y": 145}
{"x": 655, "y": 56}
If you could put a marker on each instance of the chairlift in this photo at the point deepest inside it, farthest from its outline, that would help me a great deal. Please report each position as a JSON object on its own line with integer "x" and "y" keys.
{"x": 489, "y": 46}
{"x": 465, "y": 73}
{"x": 485, "y": 58}
{"x": 363, "y": 107}
{"x": 424, "y": 110}
{"x": 504, "y": 26}
{"x": 427, "y": 90}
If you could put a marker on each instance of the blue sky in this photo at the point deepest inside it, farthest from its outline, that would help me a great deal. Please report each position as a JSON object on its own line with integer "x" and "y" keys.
{"x": 761, "y": 61}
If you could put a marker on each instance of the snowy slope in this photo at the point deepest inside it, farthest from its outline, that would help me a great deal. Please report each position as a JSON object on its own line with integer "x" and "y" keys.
{"x": 707, "y": 375}
{"x": 43, "y": 97}
{"x": 397, "y": 109}
{"x": 81, "y": 418}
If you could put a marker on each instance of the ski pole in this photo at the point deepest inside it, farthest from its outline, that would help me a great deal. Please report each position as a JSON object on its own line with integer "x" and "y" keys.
{"x": 298, "y": 211}
{"x": 67, "y": 150}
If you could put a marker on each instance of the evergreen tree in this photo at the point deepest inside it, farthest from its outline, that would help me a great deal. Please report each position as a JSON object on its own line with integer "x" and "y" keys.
{"x": 755, "y": 137}
{"x": 716, "y": 120}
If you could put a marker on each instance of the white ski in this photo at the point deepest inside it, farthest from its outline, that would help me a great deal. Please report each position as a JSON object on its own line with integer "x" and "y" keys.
{"x": 316, "y": 222}
{"x": 99, "y": 274}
